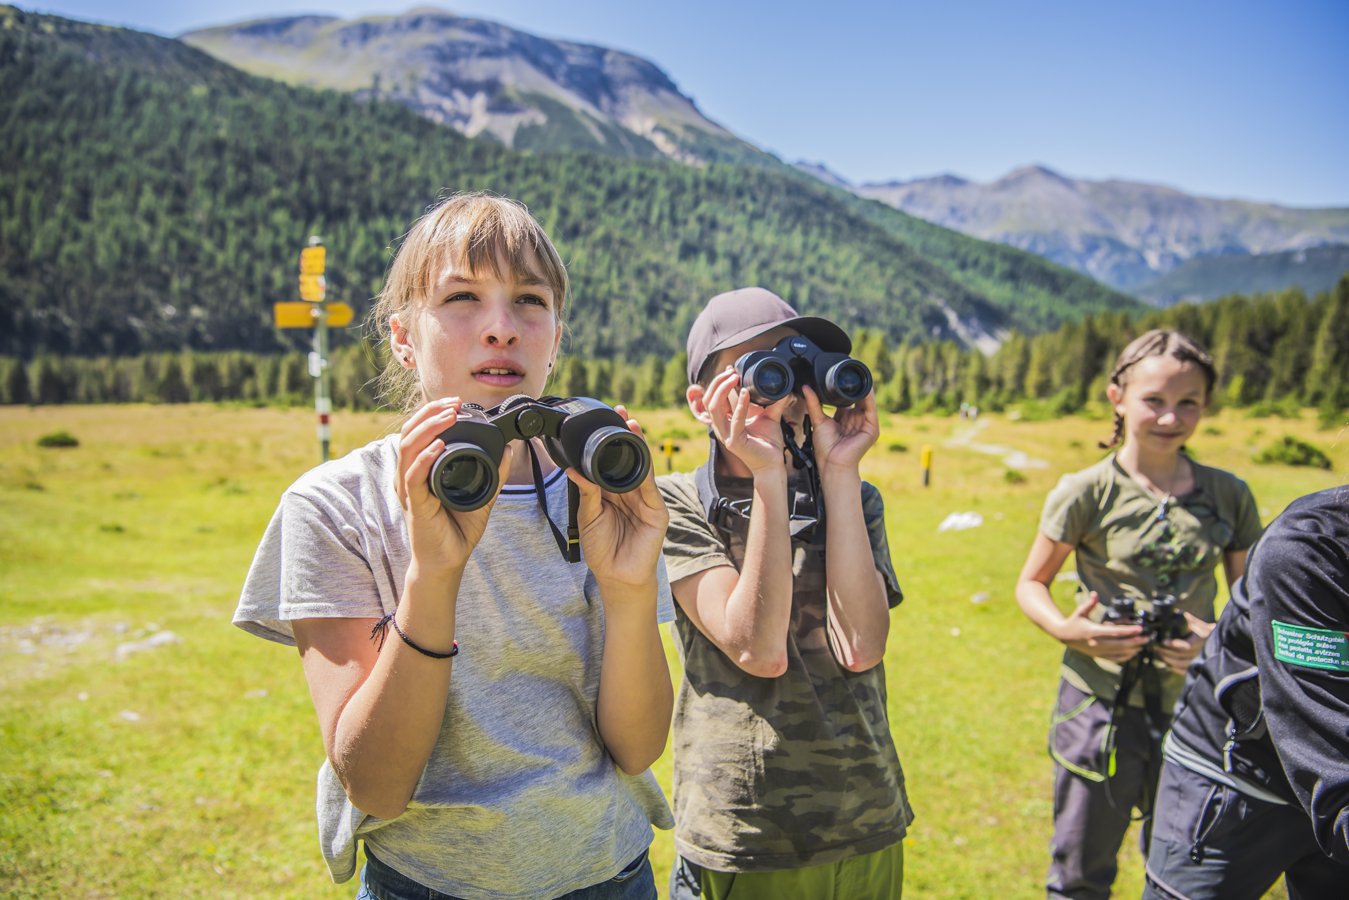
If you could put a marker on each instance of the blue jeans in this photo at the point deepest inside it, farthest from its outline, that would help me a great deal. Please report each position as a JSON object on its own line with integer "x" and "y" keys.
{"x": 380, "y": 882}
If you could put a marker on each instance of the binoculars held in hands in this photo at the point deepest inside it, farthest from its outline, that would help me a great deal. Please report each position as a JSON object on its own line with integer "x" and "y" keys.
{"x": 770, "y": 375}
{"x": 1163, "y": 622}
{"x": 579, "y": 432}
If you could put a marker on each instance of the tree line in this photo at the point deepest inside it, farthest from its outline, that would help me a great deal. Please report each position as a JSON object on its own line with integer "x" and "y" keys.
{"x": 153, "y": 199}
{"x": 1275, "y": 352}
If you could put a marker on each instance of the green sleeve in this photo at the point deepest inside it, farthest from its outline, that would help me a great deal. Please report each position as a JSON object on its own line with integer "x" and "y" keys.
{"x": 873, "y": 513}
{"x": 691, "y": 544}
{"x": 1069, "y": 510}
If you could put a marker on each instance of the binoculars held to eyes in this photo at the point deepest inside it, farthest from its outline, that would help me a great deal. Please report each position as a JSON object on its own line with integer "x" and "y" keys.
{"x": 578, "y": 432}
{"x": 1163, "y": 622}
{"x": 770, "y": 375}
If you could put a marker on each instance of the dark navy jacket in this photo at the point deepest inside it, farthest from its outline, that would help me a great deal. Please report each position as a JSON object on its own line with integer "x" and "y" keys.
{"x": 1265, "y": 707}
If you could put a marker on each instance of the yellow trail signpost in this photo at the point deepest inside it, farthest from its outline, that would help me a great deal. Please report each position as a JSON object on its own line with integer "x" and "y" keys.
{"x": 314, "y": 310}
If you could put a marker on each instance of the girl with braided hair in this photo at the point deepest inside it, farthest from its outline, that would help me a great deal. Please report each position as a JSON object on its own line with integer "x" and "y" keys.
{"x": 1145, "y": 523}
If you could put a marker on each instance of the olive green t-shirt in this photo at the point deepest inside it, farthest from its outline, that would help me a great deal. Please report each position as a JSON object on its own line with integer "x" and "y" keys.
{"x": 1129, "y": 543}
{"x": 778, "y": 773}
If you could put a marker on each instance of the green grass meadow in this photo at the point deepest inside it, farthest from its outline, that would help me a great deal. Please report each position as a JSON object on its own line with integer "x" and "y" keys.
{"x": 186, "y": 767}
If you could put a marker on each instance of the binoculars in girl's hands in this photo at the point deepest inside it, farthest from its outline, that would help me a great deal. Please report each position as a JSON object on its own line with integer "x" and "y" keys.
{"x": 1162, "y": 622}
{"x": 770, "y": 375}
{"x": 579, "y": 432}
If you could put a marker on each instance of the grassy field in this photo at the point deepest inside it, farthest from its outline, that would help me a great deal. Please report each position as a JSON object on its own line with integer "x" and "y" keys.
{"x": 147, "y": 748}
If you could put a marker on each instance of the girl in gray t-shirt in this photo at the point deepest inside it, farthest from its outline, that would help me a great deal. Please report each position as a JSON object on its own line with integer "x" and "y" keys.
{"x": 1145, "y": 523}
{"x": 519, "y": 766}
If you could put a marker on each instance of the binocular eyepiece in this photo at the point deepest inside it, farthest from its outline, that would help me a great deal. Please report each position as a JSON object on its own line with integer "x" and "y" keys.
{"x": 578, "y": 432}
{"x": 770, "y": 375}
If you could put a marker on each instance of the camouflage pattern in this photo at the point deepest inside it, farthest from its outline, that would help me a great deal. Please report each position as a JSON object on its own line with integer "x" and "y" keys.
{"x": 786, "y": 772}
{"x": 1129, "y": 543}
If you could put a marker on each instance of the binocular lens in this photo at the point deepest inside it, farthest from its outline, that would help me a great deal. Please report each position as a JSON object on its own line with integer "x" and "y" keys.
{"x": 463, "y": 477}
{"x": 615, "y": 459}
{"x": 770, "y": 379}
{"x": 850, "y": 380}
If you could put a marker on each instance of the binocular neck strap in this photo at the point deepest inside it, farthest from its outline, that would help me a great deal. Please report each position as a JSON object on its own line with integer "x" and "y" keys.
{"x": 803, "y": 457}
{"x": 806, "y": 507}
{"x": 570, "y": 545}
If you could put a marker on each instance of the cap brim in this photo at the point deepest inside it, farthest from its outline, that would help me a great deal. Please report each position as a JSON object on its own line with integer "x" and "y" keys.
{"x": 826, "y": 335}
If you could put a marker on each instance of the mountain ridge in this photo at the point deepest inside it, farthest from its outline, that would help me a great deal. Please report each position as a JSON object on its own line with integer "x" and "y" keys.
{"x": 1124, "y": 233}
{"x": 484, "y": 77}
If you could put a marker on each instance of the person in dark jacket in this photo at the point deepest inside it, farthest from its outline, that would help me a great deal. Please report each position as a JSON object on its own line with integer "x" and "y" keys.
{"x": 1256, "y": 776}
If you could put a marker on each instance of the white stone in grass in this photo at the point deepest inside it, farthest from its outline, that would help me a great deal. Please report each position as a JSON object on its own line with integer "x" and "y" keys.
{"x": 130, "y": 715}
{"x": 960, "y": 521}
{"x": 955, "y": 632}
{"x": 154, "y": 641}
{"x": 981, "y": 597}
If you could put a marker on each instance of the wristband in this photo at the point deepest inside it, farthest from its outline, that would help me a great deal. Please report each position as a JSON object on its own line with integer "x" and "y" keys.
{"x": 381, "y": 630}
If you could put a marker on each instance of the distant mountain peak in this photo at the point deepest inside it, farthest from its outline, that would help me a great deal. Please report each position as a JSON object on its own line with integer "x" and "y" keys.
{"x": 1034, "y": 172}
{"x": 480, "y": 76}
{"x": 1124, "y": 233}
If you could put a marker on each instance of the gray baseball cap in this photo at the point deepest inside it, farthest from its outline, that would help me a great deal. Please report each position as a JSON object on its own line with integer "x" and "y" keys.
{"x": 737, "y": 316}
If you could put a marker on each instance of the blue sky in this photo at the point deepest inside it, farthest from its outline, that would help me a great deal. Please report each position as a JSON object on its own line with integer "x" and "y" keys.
{"x": 1227, "y": 99}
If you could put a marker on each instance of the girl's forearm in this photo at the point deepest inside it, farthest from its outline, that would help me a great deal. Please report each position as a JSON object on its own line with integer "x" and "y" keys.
{"x": 636, "y": 698}
{"x": 386, "y": 732}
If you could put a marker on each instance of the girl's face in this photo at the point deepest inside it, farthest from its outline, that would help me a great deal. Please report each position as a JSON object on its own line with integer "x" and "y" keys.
{"x": 480, "y": 336}
{"x": 1161, "y": 402}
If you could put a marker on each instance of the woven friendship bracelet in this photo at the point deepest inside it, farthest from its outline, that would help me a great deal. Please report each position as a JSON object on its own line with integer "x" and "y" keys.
{"x": 381, "y": 630}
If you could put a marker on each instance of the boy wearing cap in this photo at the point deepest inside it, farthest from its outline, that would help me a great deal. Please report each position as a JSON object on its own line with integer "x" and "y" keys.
{"x": 786, "y": 779}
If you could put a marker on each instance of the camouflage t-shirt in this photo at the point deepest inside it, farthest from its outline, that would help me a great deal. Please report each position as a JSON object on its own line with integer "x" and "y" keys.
{"x": 1128, "y": 543}
{"x": 778, "y": 773}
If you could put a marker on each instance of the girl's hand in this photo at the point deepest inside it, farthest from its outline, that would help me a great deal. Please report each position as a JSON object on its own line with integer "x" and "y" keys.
{"x": 1117, "y": 643}
{"x": 440, "y": 539}
{"x": 842, "y": 440}
{"x": 755, "y": 438}
{"x": 1180, "y": 652}
{"x": 622, "y": 534}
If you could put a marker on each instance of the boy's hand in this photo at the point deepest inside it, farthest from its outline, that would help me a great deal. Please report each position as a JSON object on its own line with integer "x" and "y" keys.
{"x": 842, "y": 441}
{"x": 754, "y": 437}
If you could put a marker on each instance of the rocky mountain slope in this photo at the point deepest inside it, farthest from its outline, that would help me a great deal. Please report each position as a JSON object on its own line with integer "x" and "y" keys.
{"x": 485, "y": 78}
{"x": 1123, "y": 233}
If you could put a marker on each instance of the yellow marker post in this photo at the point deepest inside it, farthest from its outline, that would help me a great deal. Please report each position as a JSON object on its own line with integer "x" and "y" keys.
{"x": 669, "y": 448}
{"x": 927, "y": 464}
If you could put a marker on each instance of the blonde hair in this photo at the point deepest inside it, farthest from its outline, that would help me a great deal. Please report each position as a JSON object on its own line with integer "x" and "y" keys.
{"x": 480, "y": 229}
{"x": 1159, "y": 342}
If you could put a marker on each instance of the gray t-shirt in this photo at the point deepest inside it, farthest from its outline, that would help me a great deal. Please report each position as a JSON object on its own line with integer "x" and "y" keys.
{"x": 519, "y": 798}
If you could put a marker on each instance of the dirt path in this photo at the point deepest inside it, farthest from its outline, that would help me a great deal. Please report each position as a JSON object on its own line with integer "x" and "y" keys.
{"x": 1014, "y": 459}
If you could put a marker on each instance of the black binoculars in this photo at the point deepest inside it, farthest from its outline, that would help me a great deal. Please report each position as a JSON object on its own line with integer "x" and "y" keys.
{"x": 1163, "y": 622}
{"x": 578, "y": 432}
{"x": 837, "y": 378}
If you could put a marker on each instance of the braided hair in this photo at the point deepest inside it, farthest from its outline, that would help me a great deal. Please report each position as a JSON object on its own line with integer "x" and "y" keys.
{"x": 1159, "y": 342}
